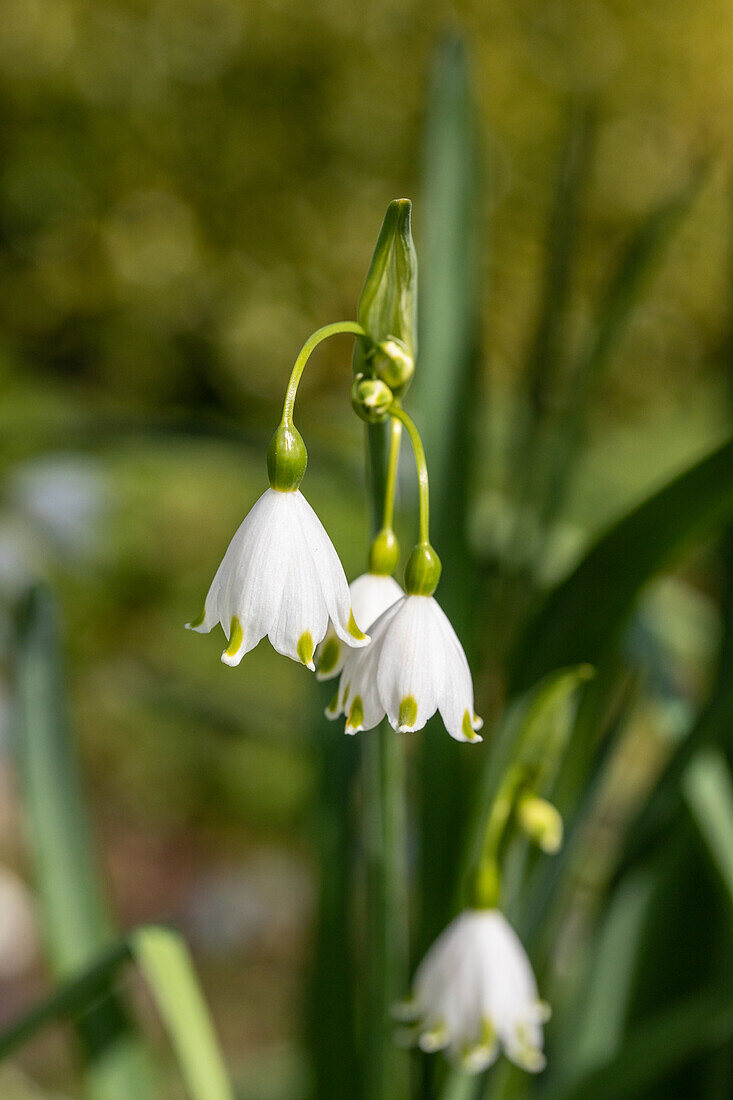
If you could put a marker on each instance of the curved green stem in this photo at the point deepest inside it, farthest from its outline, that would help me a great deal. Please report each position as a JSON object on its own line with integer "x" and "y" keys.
{"x": 392, "y": 464}
{"x": 422, "y": 470}
{"x": 305, "y": 354}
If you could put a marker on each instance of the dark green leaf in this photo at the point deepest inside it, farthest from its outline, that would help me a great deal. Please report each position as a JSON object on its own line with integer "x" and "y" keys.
{"x": 582, "y": 617}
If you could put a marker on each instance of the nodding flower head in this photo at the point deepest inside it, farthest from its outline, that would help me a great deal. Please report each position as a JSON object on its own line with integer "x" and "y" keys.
{"x": 414, "y": 666}
{"x": 280, "y": 577}
{"x": 474, "y": 993}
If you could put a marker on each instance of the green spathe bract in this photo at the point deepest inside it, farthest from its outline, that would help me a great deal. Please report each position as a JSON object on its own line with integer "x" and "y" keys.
{"x": 388, "y": 304}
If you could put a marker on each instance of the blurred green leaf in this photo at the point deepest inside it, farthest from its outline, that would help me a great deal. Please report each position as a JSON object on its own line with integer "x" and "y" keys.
{"x": 541, "y": 715}
{"x": 547, "y": 347}
{"x": 166, "y": 964}
{"x": 597, "y": 1026}
{"x": 622, "y": 293}
{"x": 581, "y": 618}
{"x": 71, "y": 1001}
{"x": 656, "y": 1047}
{"x": 75, "y": 920}
{"x": 446, "y": 384}
{"x": 449, "y": 411}
{"x": 708, "y": 792}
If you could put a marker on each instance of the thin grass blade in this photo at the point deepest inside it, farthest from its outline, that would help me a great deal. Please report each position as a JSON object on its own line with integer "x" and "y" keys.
{"x": 75, "y": 920}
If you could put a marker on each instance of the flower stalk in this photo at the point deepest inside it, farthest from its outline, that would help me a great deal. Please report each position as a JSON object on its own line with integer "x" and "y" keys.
{"x": 304, "y": 355}
{"x": 383, "y": 777}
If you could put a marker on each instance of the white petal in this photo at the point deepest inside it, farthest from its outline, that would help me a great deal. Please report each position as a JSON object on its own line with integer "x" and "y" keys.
{"x": 456, "y": 701}
{"x": 331, "y": 575}
{"x": 371, "y": 594}
{"x": 246, "y": 583}
{"x": 302, "y": 618}
{"x": 411, "y": 666}
{"x": 357, "y": 696}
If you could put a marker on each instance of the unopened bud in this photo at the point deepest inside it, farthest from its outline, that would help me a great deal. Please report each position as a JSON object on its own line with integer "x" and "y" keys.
{"x": 370, "y": 398}
{"x": 542, "y": 823}
{"x": 388, "y": 304}
{"x": 394, "y": 364}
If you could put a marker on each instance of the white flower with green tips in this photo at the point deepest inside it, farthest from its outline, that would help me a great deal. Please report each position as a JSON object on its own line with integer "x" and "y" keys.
{"x": 371, "y": 594}
{"x": 281, "y": 575}
{"x": 475, "y": 993}
{"x": 413, "y": 666}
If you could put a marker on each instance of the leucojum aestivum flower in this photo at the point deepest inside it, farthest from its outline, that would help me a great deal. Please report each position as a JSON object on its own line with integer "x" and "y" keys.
{"x": 396, "y": 655}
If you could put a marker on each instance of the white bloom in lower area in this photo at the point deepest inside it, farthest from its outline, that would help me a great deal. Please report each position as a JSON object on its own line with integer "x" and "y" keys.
{"x": 371, "y": 594}
{"x": 414, "y": 666}
{"x": 280, "y": 577}
{"x": 474, "y": 993}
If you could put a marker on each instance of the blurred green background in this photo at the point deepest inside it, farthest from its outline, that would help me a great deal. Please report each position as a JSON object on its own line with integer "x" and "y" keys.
{"x": 187, "y": 189}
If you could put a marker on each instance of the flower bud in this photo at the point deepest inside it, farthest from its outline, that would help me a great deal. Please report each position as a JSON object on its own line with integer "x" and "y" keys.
{"x": 384, "y": 553}
{"x": 393, "y": 363}
{"x": 422, "y": 571}
{"x": 388, "y": 304}
{"x": 370, "y": 398}
{"x": 286, "y": 458}
{"x": 542, "y": 823}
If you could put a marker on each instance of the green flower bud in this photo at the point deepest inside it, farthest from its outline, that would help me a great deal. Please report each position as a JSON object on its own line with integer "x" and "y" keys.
{"x": 541, "y": 822}
{"x": 286, "y": 458}
{"x": 393, "y": 363}
{"x": 388, "y": 304}
{"x": 422, "y": 571}
{"x": 384, "y": 553}
{"x": 370, "y": 398}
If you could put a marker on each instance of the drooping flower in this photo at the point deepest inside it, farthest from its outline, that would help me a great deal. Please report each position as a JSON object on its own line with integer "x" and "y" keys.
{"x": 280, "y": 577}
{"x": 474, "y": 993}
{"x": 371, "y": 594}
{"x": 413, "y": 666}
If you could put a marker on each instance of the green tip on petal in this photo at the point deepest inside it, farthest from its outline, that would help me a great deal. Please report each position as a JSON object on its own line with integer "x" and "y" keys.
{"x": 435, "y": 1038}
{"x": 329, "y": 656}
{"x": 408, "y": 712}
{"x": 305, "y": 649}
{"x": 467, "y": 728}
{"x": 354, "y": 630}
{"x": 332, "y": 709}
{"x": 355, "y": 721}
{"x": 236, "y": 637}
{"x": 197, "y": 622}
{"x": 527, "y": 1056}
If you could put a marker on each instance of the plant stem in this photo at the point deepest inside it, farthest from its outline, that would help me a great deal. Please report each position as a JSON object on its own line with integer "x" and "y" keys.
{"x": 305, "y": 353}
{"x": 386, "y": 1067}
{"x": 391, "y": 479}
{"x": 422, "y": 470}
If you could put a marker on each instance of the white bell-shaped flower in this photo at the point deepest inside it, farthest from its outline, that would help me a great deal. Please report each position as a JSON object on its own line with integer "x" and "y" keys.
{"x": 371, "y": 594}
{"x": 413, "y": 666}
{"x": 475, "y": 992}
{"x": 281, "y": 577}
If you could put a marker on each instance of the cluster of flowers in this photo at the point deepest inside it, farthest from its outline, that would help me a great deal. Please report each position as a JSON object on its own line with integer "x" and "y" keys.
{"x": 396, "y": 655}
